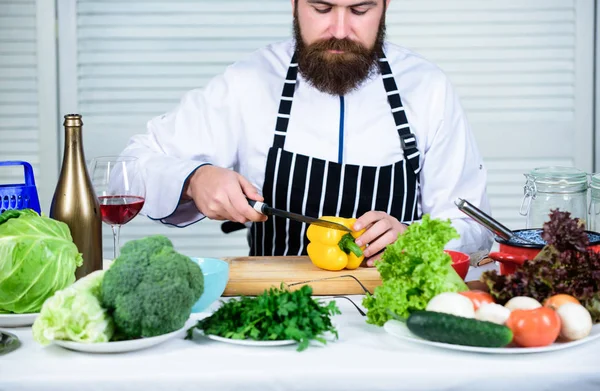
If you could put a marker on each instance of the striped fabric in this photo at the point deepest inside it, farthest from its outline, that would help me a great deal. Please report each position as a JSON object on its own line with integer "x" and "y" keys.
{"x": 285, "y": 105}
{"x": 315, "y": 187}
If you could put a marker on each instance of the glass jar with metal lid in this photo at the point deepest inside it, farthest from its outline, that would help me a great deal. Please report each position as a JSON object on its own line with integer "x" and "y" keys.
{"x": 549, "y": 188}
{"x": 594, "y": 218}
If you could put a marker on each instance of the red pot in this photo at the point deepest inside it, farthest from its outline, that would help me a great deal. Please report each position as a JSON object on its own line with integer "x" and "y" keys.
{"x": 513, "y": 254}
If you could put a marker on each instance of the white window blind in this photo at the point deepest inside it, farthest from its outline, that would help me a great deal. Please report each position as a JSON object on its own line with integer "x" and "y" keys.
{"x": 18, "y": 88}
{"x": 524, "y": 72}
{"x": 523, "y": 69}
{"x": 28, "y": 103}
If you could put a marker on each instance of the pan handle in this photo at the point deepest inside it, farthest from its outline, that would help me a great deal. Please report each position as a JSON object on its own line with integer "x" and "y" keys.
{"x": 508, "y": 258}
{"x": 484, "y": 219}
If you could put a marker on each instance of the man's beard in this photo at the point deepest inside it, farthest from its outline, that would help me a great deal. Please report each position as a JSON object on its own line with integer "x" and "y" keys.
{"x": 337, "y": 73}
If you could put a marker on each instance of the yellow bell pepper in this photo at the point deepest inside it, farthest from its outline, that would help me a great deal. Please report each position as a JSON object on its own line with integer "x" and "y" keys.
{"x": 332, "y": 249}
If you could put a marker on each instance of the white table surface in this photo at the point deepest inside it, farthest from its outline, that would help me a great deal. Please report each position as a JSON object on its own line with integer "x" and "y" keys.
{"x": 364, "y": 358}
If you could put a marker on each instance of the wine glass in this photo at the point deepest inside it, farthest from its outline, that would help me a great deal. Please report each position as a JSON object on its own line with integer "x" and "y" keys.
{"x": 120, "y": 189}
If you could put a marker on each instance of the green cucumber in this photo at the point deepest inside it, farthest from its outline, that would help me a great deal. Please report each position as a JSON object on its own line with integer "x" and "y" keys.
{"x": 458, "y": 330}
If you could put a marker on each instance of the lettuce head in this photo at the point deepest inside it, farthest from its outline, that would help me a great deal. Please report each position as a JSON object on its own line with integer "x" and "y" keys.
{"x": 75, "y": 314}
{"x": 37, "y": 258}
{"x": 413, "y": 270}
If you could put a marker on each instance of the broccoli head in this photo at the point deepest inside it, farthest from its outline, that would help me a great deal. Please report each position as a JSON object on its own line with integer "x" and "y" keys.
{"x": 150, "y": 288}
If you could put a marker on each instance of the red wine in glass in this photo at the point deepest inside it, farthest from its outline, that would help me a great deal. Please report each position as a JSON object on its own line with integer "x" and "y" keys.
{"x": 120, "y": 209}
{"x": 121, "y": 191}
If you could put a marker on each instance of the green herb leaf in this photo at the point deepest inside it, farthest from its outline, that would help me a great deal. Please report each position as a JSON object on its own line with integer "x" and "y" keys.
{"x": 277, "y": 314}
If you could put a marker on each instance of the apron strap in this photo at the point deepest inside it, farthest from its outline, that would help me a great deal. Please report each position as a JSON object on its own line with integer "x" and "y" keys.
{"x": 407, "y": 139}
{"x": 285, "y": 103}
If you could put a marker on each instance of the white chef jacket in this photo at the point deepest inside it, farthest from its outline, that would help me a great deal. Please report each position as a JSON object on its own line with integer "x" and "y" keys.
{"x": 231, "y": 122}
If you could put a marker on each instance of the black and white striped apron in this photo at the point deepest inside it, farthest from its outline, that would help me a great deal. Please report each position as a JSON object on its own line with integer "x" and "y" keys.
{"x": 315, "y": 187}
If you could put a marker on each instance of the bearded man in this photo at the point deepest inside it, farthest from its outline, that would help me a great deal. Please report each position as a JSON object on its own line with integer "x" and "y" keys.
{"x": 335, "y": 121}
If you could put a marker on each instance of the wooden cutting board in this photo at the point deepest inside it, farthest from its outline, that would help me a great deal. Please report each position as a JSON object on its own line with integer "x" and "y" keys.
{"x": 252, "y": 275}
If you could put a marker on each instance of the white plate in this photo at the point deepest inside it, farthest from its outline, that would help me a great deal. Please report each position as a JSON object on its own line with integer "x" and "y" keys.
{"x": 247, "y": 342}
{"x": 120, "y": 346}
{"x": 17, "y": 320}
{"x": 398, "y": 329}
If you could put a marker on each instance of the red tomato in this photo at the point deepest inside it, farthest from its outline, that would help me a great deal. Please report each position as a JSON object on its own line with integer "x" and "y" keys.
{"x": 478, "y": 297}
{"x": 534, "y": 328}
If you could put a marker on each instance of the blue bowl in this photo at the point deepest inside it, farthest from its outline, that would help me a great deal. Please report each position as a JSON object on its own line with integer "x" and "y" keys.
{"x": 216, "y": 276}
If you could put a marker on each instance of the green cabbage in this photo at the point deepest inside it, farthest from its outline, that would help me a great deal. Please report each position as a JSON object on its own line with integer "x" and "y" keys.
{"x": 37, "y": 258}
{"x": 75, "y": 314}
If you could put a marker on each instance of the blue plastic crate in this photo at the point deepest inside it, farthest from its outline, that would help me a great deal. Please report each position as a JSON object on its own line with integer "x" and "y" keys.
{"x": 19, "y": 196}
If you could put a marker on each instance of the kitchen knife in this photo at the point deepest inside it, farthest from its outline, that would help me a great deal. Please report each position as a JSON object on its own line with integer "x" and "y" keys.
{"x": 265, "y": 209}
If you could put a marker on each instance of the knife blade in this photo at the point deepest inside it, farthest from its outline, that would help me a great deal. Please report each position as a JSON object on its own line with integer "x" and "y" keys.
{"x": 265, "y": 209}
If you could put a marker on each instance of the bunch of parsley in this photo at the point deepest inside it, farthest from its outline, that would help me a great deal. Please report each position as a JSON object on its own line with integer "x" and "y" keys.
{"x": 276, "y": 314}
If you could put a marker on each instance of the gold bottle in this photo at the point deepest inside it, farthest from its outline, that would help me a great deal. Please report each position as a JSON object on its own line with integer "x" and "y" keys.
{"x": 75, "y": 202}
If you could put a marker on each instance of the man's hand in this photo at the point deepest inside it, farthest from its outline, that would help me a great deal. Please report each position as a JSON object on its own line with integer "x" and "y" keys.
{"x": 381, "y": 230}
{"x": 220, "y": 194}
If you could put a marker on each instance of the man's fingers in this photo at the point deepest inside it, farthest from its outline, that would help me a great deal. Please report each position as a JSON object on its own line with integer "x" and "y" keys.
{"x": 234, "y": 212}
{"x": 249, "y": 190}
{"x": 245, "y": 211}
{"x": 375, "y": 231}
{"x": 380, "y": 244}
{"x": 222, "y": 194}
{"x": 368, "y": 219}
{"x": 370, "y": 262}
{"x": 240, "y": 200}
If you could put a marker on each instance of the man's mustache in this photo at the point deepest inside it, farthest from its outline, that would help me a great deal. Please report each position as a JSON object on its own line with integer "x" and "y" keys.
{"x": 343, "y": 45}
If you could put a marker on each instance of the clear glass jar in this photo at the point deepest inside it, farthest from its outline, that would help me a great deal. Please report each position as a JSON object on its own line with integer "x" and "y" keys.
{"x": 594, "y": 218}
{"x": 549, "y": 188}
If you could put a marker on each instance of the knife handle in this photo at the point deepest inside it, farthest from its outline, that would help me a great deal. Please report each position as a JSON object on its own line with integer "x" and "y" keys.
{"x": 257, "y": 205}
